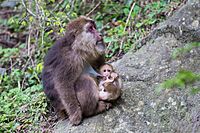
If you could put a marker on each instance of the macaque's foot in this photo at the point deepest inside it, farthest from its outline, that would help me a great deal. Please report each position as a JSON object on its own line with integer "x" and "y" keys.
{"x": 108, "y": 106}
{"x": 75, "y": 119}
{"x": 103, "y": 106}
{"x": 62, "y": 114}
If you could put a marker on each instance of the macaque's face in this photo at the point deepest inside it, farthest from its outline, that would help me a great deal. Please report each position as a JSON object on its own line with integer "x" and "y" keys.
{"x": 106, "y": 70}
{"x": 88, "y": 39}
{"x": 93, "y": 36}
{"x": 104, "y": 94}
{"x": 108, "y": 92}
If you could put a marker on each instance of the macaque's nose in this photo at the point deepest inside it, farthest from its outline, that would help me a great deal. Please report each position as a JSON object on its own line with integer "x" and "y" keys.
{"x": 100, "y": 34}
{"x": 106, "y": 74}
{"x": 100, "y": 37}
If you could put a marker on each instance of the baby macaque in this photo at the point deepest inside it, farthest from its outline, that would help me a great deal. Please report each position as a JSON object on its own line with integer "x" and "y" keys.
{"x": 110, "y": 84}
{"x": 88, "y": 95}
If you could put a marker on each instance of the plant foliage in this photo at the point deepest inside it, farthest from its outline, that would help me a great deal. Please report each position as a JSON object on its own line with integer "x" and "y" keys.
{"x": 184, "y": 77}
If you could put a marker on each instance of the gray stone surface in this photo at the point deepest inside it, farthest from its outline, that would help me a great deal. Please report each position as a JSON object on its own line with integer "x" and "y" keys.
{"x": 2, "y": 71}
{"x": 141, "y": 109}
{"x": 9, "y": 3}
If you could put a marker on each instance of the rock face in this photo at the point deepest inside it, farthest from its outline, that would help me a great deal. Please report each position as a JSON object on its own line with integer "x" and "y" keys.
{"x": 141, "y": 109}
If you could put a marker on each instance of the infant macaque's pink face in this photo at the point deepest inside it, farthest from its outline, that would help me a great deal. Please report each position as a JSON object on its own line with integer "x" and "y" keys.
{"x": 106, "y": 71}
{"x": 104, "y": 94}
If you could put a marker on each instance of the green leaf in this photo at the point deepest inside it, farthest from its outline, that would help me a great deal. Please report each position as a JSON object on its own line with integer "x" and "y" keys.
{"x": 195, "y": 91}
{"x": 138, "y": 25}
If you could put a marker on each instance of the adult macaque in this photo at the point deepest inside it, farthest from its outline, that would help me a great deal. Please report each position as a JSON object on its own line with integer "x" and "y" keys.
{"x": 64, "y": 65}
{"x": 110, "y": 84}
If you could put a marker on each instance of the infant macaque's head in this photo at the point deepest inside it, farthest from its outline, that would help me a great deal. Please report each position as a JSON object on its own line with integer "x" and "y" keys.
{"x": 109, "y": 92}
{"x": 107, "y": 72}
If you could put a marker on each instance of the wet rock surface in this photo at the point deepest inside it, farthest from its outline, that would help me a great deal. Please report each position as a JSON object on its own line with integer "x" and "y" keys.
{"x": 141, "y": 109}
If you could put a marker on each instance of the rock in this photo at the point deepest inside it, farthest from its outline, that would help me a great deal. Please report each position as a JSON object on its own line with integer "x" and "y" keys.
{"x": 2, "y": 71}
{"x": 141, "y": 109}
{"x": 9, "y": 3}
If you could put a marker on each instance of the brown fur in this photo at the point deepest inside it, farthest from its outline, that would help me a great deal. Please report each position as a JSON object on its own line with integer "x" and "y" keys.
{"x": 88, "y": 96}
{"x": 76, "y": 26}
{"x": 64, "y": 64}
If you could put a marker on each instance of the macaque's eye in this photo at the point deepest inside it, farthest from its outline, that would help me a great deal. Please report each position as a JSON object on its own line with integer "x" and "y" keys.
{"x": 93, "y": 24}
{"x": 104, "y": 90}
{"x": 91, "y": 28}
{"x": 104, "y": 70}
{"x": 109, "y": 70}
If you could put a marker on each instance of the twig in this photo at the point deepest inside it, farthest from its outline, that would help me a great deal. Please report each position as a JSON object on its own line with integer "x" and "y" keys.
{"x": 127, "y": 20}
{"x": 108, "y": 47}
{"x": 8, "y": 44}
{"x": 42, "y": 41}
{"x": 105, "y": 26}
{"x": 29, "y": 40}
{"x": 93, "y": 9}
{"x": 72, "y": 2}
{"x": 23, "y": 81}
{"x": 27, "y": 9}
{"x": 12, "y": 65}
{"x": 8, "y": 12}
{"x": 129, "y": 15}
{"x": 121, "y": 46}
{"x": 59, "y": 3}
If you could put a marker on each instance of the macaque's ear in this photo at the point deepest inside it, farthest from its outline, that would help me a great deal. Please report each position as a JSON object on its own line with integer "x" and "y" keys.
{"x": 72, "y": 32}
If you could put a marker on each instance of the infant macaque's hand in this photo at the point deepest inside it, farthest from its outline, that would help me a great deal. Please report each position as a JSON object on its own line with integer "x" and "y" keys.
{"x": 104, "y": 78}
{"x": 109, "y": 79}
{"x": 114, "y": 75}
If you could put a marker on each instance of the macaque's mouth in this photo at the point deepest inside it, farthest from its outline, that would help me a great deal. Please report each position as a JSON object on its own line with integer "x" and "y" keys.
{"x": 100, "y": 45}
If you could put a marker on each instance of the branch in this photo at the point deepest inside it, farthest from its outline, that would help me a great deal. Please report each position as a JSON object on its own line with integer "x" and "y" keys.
{"x": 127, "y": 20}
{"x": 27, "y": 9}
{"x": 8, "y": 44}
{"x": 93, "y": 9}
{"x": 8, "y": 12}
{"x": 129, "y": 15}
